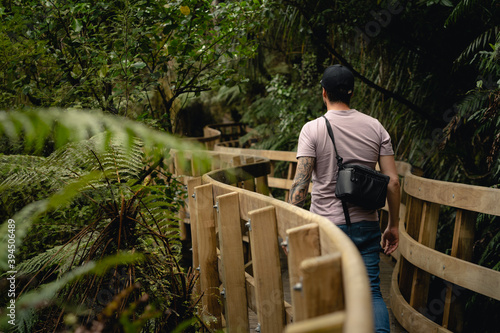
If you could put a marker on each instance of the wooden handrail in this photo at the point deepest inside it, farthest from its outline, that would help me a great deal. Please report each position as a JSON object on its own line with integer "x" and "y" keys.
{"x": 218, "y": 189}
{"x": 419, "y": 260}
{"x": 422, "y": 200}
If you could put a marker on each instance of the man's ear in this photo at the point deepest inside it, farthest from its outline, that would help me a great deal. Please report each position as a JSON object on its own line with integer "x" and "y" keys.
{"x": 324, "y": 93}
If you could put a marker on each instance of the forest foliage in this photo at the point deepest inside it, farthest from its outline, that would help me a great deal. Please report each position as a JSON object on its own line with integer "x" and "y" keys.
{"x": 131, "y": 58}
{"x": 85, "y": 186}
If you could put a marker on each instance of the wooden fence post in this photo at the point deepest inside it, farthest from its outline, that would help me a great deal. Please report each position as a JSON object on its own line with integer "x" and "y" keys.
{"x": 183, "y": 213}
{"x": 193, "y": 218}
{"x": 250, "y": 183}
{"x": 406, "y": 269}
{"x": 207, "y": 255}
{"x": 266, "y": 268}
{"x": 303, "y": 243}
{"x": 292, "y": 168}
{"x": 261, "y": 185}
{"x": 463, "y": 241}
{"x": 233, "y": 266}
{"x": 427, "y": 237}
{"x": 216, "y": 162}
{"x": 322, "y": 285}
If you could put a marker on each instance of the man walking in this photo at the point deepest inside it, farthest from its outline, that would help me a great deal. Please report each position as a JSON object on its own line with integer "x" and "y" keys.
{"x": 360, "y": 139}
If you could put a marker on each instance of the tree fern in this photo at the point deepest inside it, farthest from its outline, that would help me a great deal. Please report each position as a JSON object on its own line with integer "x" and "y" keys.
{"x": 103, "y": 161}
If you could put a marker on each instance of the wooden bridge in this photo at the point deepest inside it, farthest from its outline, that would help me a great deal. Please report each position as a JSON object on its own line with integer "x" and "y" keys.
{"x": 236, "y": 229}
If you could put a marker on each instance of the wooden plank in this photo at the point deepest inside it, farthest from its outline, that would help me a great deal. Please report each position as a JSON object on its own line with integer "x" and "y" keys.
{"x": 408, "y": 317}
{"x": 303, "y": 243}
{"x": 331, "y": 323}
{"x": 292, "y": 168}
{"x": 250, "y": 183}
{"x": 275, "y": 155}
{"x": 357, "y": 288}
{"x": 235, "y": 161}
{"x": 245, "y": 172}
{"x": 465, "y": 274}
{"x": 463, "y": 236}
{"x": 474, "y": 198}
{"x": 413, "y": 220}
{"x": 182, "y": 215}
{"x": 272, "y": 168}
{"x": 191, "y": 184}
{"x": 233, "y": 266}
{"x": 282, "y": 183}
{"x": 322, "y": 285}
{"x": 261, "y": 185}
{"x": 252, "y": 303}
{"x": 426, "y": 237}
{"x": 266, "y": 268}
{"x": 462, "y": 247}
{"x": 207, "y": 255}
{"x": 357, "y": 291}
{"x": 216, "y": 162}
{"x": 181, "y": 163}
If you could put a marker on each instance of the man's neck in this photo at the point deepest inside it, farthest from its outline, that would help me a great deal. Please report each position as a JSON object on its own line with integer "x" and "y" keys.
{"x": 338, "y": 106}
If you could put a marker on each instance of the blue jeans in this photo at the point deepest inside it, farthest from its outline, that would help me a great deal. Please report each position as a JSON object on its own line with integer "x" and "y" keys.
{"x": 366, "y": 236}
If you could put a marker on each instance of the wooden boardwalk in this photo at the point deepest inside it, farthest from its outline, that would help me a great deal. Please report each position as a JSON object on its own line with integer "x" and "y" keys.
{"x": 423, "y": 201}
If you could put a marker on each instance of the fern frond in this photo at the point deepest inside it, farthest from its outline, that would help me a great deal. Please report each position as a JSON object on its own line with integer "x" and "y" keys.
{"x": 26, "y": 321}
{"x": 63, "y": 167}
{"x": 479, "y": 43}
{"x": 34, "y": 264}
{"x": 19, "y": 163}
{"x": 23, "y": 221}
{"x": 473, "y": 103}
{"x": 460, "y": 11}
{"x": 47, "y": 292}
{"x": 76, "y": 125}
{"x": 64, "y": 256}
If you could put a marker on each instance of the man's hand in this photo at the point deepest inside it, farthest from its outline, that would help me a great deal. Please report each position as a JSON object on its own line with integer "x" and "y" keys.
{"x": 390, "y": 240}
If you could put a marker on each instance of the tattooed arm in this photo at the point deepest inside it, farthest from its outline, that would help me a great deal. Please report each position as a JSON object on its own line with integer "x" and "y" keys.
{"x": 300, "y": 186}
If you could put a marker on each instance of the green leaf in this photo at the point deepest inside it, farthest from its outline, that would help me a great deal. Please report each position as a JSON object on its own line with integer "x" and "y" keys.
{"x": 70, "y": 191}
{"x": 139, "y": 65}
{"x": 77, "y": 25}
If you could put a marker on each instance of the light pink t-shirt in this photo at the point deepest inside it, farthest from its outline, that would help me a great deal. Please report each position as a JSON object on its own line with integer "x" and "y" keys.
{"x": 359, "y": 139}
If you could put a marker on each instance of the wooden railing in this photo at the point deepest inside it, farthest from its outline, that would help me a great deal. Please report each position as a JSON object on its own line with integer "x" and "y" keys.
{"x": 218, "y": 133}
{"x": 422, "y": 200}
{"x": 235, "y": 229}
{"x": 419, "y": 260}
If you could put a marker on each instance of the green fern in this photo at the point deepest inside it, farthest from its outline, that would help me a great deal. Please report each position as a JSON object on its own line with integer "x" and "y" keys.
{"x": 460, "y": 10}
{"x": 480, "y": 43}
{"x": 36, "y": 126}
{"x": 104, "y": 163}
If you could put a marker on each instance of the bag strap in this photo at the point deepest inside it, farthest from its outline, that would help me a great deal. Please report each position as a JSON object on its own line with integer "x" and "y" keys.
{"x": 330, "y": 133}
{"x": 340, "y": 166}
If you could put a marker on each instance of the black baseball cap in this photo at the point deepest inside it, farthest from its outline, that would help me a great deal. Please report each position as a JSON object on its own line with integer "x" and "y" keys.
{"x": 338, "y": 77}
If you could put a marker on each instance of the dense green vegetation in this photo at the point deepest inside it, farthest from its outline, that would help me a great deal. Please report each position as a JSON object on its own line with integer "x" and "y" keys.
{"x": 84, "y": 187}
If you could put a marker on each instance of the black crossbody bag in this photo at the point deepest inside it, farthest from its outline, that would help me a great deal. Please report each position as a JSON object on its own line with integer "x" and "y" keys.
{"x": 358, "y": 184}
